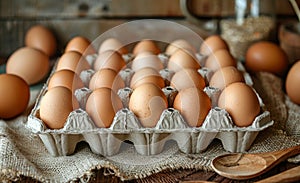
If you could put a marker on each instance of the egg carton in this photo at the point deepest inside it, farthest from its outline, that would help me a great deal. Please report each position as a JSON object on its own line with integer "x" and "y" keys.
{"x": 147, "y": 141}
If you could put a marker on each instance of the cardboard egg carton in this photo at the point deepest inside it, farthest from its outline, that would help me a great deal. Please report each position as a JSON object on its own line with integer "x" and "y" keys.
{"x": 147, "y": 141}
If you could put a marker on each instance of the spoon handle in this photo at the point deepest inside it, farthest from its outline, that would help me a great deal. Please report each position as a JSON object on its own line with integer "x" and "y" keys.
{"x": 291, "y": 175}
{"x": 286, "y": 153}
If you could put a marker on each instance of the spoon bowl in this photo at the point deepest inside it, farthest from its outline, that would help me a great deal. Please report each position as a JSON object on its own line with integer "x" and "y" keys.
{"x": 241, "y": 166}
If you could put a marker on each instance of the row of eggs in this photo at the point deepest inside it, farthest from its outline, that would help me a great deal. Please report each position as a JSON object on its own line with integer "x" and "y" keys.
{"x": 147, "y": 100}
{"x": 30, "y": 64}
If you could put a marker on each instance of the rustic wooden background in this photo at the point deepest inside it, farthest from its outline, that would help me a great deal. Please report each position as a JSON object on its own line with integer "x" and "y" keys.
{"x": 90, "y": 18}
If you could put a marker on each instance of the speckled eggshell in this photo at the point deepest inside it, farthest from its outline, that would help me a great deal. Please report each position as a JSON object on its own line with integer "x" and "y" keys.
{"x": 225, "y": 76}
{"x": 148, "y": 102}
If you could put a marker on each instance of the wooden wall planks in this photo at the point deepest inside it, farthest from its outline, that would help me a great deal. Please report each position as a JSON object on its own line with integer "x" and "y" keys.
{"x": 121, "y": 8}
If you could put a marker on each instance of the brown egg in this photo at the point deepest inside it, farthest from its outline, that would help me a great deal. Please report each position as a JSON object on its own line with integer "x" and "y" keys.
{"x": 225, "y": 76}
{"x": 41, "y": 38}
{"x": 182, "y": 59}
{"x": 56, "y": 106}
{"x": 66, "y": 78}
{"x": 146, "y": 59}
{"x": 266, "y": 56}
{"x": 146, "y": 45}
{"x": 14, "y": 95}
{"x": 147, "y": 102}
{"x": 109, "y": 59}
{"x": 187, "y": 78}
{"x": 80, "y": 44}
{"x": 102, "y": 106}
{"x": 212, "y": 44}
{"x": 220, "y": 58}
{"x": 179, "y": 44}
{"x": 241, "y": 102}
{"x": 193, "y": 104}
{"x": 29, "y": 63}
{"x": 73, "y": 61}
{"x": 292, "y": 84}
{"x": 147, "y": 75}
{"x": 112, "y": 44}
{"x": 106, "y": 78}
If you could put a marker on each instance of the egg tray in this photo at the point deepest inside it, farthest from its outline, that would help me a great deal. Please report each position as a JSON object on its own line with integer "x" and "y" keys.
{"x": 147, "y": 141}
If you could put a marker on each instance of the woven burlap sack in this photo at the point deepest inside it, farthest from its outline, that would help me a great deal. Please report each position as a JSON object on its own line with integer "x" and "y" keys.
{"x": 22, "y": 153}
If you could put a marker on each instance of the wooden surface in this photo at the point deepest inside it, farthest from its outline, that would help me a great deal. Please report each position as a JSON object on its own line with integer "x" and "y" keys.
{"x": 23, "y": 9}
{"x": 188, "y": 176}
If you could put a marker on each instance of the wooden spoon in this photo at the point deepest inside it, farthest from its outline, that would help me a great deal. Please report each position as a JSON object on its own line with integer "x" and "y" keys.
{"x": 246, "y": 166}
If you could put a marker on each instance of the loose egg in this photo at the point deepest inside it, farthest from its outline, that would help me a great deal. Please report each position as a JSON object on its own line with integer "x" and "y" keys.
{"x": 66, "y": 78}
{"x": 29, "y": 63}
{"x": 179, "y": 44}
{"x": 183, "y": 59}
{"x": 292, "y": 84}
{"x": 80, "y": 44}
{"x": 112, "y": 44}
{"x": 148, "y": 102}
{"x": 109, "y": 59}
{"x": 187, "y": 78}
{"x": 56, "y": 106}
{"x": 146, "y": 45}
{"x": 212, "y": 44}
{"x": 102, "y": 106}
{"x": 41, "y": 38}
{"x": 225, "y": 76}
{"x": 146, "y": 59}
{"x": 241, "y": 102}
{"x": 147, "y": 75}
{"x": 73, "y": 61}
{"x": 193, "y": 104}
{"x": 220, "y": 58}
{"x": 14, "y": 95}
{"x": 266, "y": 56}
{"x": 106, "y": 78}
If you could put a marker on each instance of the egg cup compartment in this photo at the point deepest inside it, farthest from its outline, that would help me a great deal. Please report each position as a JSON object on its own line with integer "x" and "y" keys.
{"x": 147, "y": 141}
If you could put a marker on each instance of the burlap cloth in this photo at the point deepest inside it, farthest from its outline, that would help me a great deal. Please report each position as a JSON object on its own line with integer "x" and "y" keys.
{"x": 23, "y": 154}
